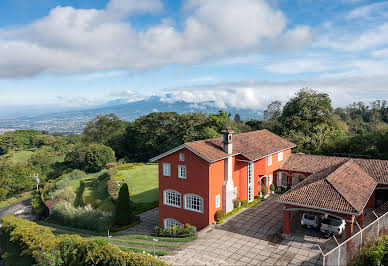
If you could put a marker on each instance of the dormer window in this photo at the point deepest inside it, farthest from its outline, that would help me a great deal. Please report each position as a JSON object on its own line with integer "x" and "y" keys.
{"x": 181, "y": 157}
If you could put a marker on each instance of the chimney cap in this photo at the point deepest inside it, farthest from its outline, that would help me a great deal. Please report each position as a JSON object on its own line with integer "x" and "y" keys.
{"x": 228, "y": 131}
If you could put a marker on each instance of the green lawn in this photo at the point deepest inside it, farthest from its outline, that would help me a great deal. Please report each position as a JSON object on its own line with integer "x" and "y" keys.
{"x": 19, "y": 156}
{"x": 16, "y": 199}
{"x": 143, "y": 182}
{"x": 92, "y": 190}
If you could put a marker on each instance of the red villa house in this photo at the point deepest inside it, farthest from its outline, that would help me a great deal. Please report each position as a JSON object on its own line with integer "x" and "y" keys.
{"x": 198, "y": 178}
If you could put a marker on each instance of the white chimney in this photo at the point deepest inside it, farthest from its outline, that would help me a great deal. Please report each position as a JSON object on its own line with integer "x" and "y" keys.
{"x": 228, "y": 144}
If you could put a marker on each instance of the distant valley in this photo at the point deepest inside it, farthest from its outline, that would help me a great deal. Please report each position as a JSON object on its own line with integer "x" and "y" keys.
{"x": 66, "y": 122}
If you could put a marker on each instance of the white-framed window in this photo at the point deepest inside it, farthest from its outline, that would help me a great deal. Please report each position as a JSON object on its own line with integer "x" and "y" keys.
{"x": 182, "y": 171}
{"x": 280, "y": 156}
{"x": 269, "y": 160}
{"x": 218, "y": 201}
{"x": 193, "y": 202}
{"x": 282, "y": 180}
{"x": 181, "y": 157}
{"x": 172, "y": 198}
{"x": 234, "y": 192}
{"x": 166, "y": 169}
{"x": 169, "y": 222}
{"x": 270, "y": 180}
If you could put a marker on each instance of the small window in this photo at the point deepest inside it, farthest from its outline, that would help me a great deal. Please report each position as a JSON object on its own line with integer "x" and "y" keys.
{"x": 234, "y": 192}
{"x": 172, "y": 198}
{"x": 270, "y": 180}
{"x": 218, "y": 201}
{"x": 166, "y": 169}
{"x": 182, "y": 171}
{"x": 269, "y": 160}
{"x": 169, "y": 222}
{"x": 280, "y": 156}
{"x": 181, "y": 157}
{"x": 193, "y": 203}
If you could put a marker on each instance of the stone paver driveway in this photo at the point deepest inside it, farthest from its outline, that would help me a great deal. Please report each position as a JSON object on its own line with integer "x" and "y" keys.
{"x": 149, "y": 220}
{"x": 252, "y": 237}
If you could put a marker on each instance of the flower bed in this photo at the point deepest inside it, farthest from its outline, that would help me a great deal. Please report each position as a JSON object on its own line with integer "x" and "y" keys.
{"x": 244, "y": 204}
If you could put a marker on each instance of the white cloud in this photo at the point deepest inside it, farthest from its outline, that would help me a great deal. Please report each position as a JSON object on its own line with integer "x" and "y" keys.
{"x": 380, "y": 53}
{"x": 256, "y": 95}
{"x": 299, "y": 66}
{"x": 71, "y": 40}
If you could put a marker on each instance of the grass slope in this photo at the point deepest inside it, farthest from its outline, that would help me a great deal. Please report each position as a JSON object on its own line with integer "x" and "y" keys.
{"x": 143, "y": 182}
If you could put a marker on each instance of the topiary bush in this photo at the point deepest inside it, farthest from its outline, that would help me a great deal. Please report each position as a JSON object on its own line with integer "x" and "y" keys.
{"x": 218, "y": 215}
{"x": 124, "y": 207}
{"x": 236, "y": 202}
{"x": 264, "y": 192}
{"x": 272, "y": 187}
{"x": 44, "y": 248}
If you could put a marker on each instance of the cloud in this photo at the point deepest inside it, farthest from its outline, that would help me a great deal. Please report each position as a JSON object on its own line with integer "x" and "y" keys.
{"x": 256, "y": 95}
{"x": 70, "y": 40}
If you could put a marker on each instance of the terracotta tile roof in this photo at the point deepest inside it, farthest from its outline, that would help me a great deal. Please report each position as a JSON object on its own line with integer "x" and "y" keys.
{"x": 343, "y": 187}
{"x": 378, "y": 169}
{"x": 253, "y": 145}
{"x": 51, "y": 203}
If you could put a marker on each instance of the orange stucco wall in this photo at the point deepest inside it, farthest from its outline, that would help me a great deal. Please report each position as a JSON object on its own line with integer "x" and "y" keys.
{"x": 206, "y": 180}
{"x": 197, "y": 182}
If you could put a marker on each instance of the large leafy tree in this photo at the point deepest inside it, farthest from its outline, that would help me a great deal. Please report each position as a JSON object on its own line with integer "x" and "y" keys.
{"x": 307, "y": 119}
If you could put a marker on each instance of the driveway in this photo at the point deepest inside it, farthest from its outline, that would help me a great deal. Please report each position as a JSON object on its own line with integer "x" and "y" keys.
{"x": 252, "y": 237}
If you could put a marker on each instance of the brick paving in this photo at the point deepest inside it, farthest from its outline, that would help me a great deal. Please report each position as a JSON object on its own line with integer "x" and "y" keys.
{"x": 252, "y": 237}
{"x": 149, "y": 220}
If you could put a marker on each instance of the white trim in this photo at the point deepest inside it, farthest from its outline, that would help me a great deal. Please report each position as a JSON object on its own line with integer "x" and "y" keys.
{"x": 169, "y": 204}
{"x": 269, "y": 160}
{"x": 282, "y": 153}
{"x": 235, "y": 195}
{"x": 251, "y": 181}
{"x": 218, "y": 201}
{"x": 312, "y": 207}
{"x": 169, "y": 169}
{"x": 180, "y": 167}
{"x": 254, "y": 160}
{"x": 177, "y": 223}
{"x": 191, "y": 195}
{"x": 181, "y": 157}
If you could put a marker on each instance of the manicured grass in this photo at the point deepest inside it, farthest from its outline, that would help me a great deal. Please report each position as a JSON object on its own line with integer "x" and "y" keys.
{"x": 139, "y": 250}
{"x": 16, "y": 199}
{"x": 143, "y": 243}
{"x": 165, "y": 239}
{"x": 21, "y": 156}
{"x": 143, "y": 182}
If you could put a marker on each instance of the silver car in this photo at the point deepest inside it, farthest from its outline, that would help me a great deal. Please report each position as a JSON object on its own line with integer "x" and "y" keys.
{"x": 310, "y": 221}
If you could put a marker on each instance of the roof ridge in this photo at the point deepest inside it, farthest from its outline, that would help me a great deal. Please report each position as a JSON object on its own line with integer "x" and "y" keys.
{"x": 346, "y": 163}
{"x": 242, "y": 133}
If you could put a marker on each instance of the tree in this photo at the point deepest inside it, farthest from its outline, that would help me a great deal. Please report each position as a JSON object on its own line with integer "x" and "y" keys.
{"x": 124, "y": 207}
{"x": 92, "y": 158}
{"x": 273, "y": 111}
{"x": 3, "y": 149}
{"x": 308, "y": 120}
{"x": 97, "y": 156}
{"x": 237, "y": 118}
{"x": 102, "y": 128}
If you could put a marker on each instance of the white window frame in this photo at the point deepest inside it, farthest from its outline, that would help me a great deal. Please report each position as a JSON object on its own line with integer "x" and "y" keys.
{"x": 182, "y": 171}
{"x": 218, "y": 201}
{"x": 235, "y": 193}
{"x": 189, "y": 198}
{"x": 165, "y": 198}
{"x": 181, "y": 157}
{"x": 280, "y": 156}
{"x": 269, "y": 160}
{"x": 169, "y": 222}
{"x": 165, "y": 171}
{"x": 270, "y": 180}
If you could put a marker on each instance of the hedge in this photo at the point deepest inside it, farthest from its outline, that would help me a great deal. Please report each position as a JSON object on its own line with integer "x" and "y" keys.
{"x": 44, "y": 248}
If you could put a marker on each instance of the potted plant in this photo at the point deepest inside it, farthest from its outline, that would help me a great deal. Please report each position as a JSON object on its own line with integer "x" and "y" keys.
{"x": 272, "y": 188}
{"x": 264, "y": 193}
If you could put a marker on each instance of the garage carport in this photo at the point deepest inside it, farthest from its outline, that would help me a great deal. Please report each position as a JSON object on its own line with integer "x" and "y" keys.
{"x": 342, "y": 191}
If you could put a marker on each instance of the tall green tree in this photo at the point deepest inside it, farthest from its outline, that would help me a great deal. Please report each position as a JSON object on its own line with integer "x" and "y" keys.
{"x": 124, "y": 207}
{"x": 103, "y": 128}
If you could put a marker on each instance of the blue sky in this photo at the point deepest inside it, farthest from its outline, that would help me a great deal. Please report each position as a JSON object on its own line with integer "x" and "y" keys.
{"x": 248, "y": 52}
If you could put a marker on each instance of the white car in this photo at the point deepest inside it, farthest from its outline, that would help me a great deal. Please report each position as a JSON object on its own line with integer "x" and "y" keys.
{"x": 333, "y": 226}
{"x": 310, "y": 221}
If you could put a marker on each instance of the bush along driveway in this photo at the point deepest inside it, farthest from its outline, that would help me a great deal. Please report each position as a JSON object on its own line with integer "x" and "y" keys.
{"x": 136, "y": 239}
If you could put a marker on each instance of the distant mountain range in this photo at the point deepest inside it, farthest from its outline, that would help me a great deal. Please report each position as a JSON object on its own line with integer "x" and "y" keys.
{"x": 75, "y": 120}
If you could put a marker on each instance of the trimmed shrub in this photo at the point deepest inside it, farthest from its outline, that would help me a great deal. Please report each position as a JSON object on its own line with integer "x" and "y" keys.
{"x": 272, "y": 187}
{"x": 44, "y": 248}
{"x": 244, "y": 203}
{"x": 264, "y": 192}
{"x": 124, "y": 207}
{"x": 218, "y": 215}
{"x": 257, "y": 197}
{"x": 236, "y": 202}
{"x": 37, "y": 205}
